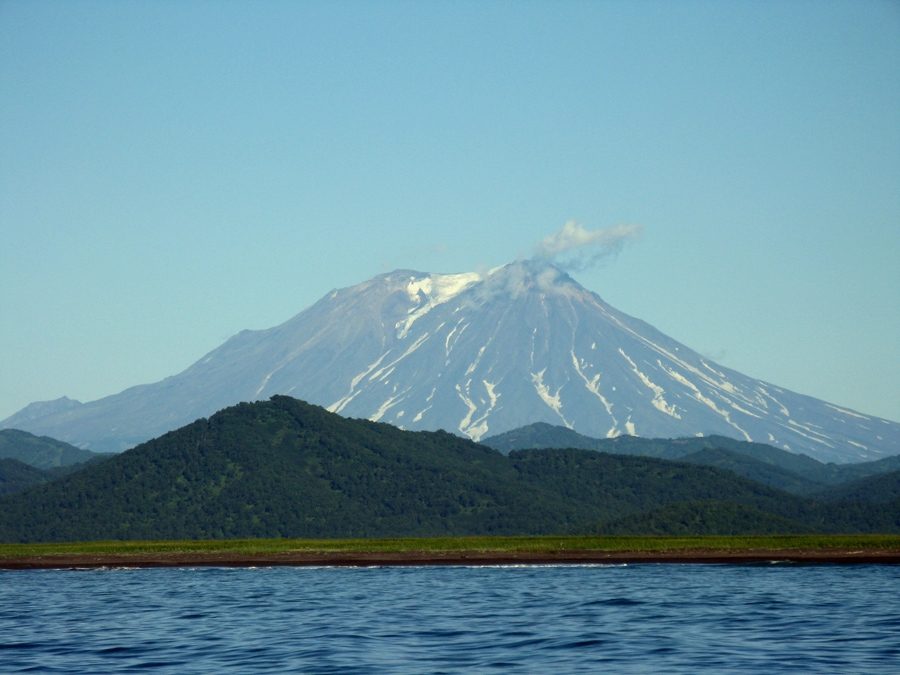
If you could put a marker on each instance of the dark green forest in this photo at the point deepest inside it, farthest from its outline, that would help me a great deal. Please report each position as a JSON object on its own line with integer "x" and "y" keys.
{"x": 283, "y": 468}
{"x": 16, "y": 476}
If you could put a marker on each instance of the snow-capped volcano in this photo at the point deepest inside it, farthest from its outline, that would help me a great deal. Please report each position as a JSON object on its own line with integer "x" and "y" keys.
{"x": 478, "y": 354}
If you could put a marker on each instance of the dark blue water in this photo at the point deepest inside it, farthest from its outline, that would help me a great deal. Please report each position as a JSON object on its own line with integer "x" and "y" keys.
{"x": 637, "y": 618}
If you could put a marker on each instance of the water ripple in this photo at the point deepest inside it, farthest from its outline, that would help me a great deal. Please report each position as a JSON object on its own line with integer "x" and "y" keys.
{"x": 640, "y": 618}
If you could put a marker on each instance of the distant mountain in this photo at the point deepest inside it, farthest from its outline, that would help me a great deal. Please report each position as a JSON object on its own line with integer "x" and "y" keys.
{"x": 41, "y": 409}
{"x": 542, "y": 435}
{"x": 41, "y": 452}
{"x": 762, "y": 463}
{"x": 477, "y": 354}
{"x": 539, "y": 435}
{"x": 286, "y": 468}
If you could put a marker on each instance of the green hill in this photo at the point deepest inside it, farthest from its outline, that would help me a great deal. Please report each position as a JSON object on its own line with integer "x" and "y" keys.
{"x": 41, "y": 452}
{"x": 771, "y": 466}
{"x": 283, "y": 468}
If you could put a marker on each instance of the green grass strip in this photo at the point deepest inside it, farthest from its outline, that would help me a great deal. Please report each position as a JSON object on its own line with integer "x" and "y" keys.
{"x": 623, "y": 544}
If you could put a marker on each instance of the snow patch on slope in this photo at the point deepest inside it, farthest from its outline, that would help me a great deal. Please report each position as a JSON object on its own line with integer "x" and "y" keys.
{"x": 466, "y": 422}
{"x": 492, "y": 392}
{"x": 436, "y": 289}
{"x": 424, "y": 410}
{"x": 816, "y": 436}
{"x": 448, "y": 345}
{"x": 413, "y": 347}
{"x": 339, "y": 405}
{"x": 721, "y": 384}
{"x": 844, "y": 411}
{"x": 593, "y": 386}
{"x": 263, "y": 385}
{"x": 479, "y": 427}
{"x": 387, "y": 405}
{"x": 681, "y": 379}
{"x": 629, "y": 427}
{"x": 781, "y": 407}
{"x": 659, "y": 402}
{"x": 552, "y": 401}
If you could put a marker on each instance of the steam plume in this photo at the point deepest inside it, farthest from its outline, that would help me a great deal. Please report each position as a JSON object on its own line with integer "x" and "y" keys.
{"x": 575, "y": 247}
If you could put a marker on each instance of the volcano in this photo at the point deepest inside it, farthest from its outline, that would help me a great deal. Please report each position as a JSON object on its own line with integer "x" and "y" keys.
{"x": 476, "y": 354}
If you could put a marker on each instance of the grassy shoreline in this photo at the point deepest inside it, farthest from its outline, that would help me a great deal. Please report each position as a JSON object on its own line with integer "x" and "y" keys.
{"x": 499, "y": 545}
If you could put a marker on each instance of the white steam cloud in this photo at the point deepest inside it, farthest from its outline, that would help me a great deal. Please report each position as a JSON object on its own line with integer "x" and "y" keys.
{"x": 575, "y": 247}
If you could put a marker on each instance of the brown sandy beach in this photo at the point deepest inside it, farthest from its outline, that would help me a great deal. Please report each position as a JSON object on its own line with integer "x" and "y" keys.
{"x": 407, "y": 558}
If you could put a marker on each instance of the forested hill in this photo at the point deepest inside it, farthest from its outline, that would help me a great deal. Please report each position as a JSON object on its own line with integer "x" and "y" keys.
{"x": 41, "y": 452}
{"x": 789, "y": 471}
{"x": 286, "y": 468}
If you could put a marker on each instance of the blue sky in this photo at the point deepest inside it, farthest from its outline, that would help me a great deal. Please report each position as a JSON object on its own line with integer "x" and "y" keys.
{"x": 174, "y": 172}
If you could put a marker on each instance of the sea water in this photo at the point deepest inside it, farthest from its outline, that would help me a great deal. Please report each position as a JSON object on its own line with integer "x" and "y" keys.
{"x": 637, "y": 618}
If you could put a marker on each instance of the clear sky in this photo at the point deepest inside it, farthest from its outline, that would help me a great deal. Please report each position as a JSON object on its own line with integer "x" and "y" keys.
{"x": 174, "y": 172}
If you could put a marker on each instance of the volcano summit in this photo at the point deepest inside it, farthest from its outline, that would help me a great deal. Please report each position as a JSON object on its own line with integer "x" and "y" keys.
{"x": 476, "y": 354}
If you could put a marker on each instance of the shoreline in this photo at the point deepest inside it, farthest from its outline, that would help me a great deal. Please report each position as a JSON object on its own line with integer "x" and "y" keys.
{"x": 459, "y": 558}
